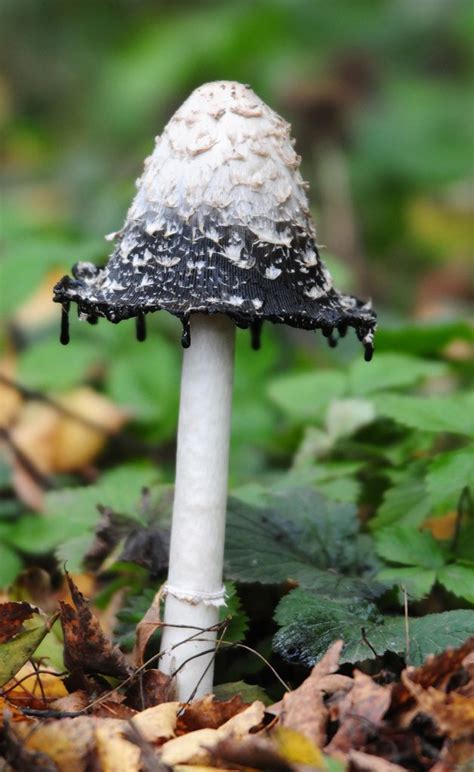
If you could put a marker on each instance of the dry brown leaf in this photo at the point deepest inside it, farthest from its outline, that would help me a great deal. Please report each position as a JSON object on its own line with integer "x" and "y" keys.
{"x": 304, "y": 709}
{"x": 436, "y": 671}
{"x": 146, "y": 627}
{"x": 364, "y": 762}
{"x": 452, "y": 713}
{"x": 196, "y": 747}
{"x": 86, "y": 648}
{"x": 158, "y": 723}
{"x": 150, "y": 688}
{"x": 71, "y": 703}
{"x": 254, "y": 752}
{"x": 360, "y": 713}
{"x": 12, "y": 616}
{"x": 209, "y": 713}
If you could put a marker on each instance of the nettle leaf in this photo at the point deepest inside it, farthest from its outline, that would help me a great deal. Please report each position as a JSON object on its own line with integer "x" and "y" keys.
{"x": 239, "y": 620}
{"x": 307, "y": 395}
{"x": 66, "y": 366}
{"x": 388, "y": 371}
{"x": 453, "y": 414}
{"x": 448, "y": 474}
{"x": 297, "y": 534}
{"x": 309, "y": 624}
{"x": 418, "y": 582}
{"x": 406, "y": 503}
{"x": 10, "y": 565}
{"x": 409, "y": 547}
{"x": 458, "y": 578}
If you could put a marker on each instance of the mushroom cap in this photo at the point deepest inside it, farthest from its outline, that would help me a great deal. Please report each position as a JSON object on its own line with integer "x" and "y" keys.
{"x": 220, "y": 224}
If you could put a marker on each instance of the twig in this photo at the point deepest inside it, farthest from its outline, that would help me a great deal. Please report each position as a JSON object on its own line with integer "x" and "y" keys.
{"x": 39, "y": 478}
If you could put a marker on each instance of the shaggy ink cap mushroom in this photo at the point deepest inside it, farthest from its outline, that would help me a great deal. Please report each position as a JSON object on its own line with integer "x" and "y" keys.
{"x": 220, "y": 225}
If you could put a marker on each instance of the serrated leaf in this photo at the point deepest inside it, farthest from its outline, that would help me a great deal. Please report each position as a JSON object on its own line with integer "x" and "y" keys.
{"x": 458, "y": 579}
{"x": 307, "y": 395}
{"x": 389, "y": 371}
{"x": 424, "y": 339}
{"x": 448, "y": 474}
{"x": 309, "y": 624}
{"x": 297, "y": 535}
{"x": 453, "y": 414}
{"x": 406, "y": 503}
{"x": 409, "y": 547}
{"x": 239, "y": 621}
{"x": 416, "y": 581}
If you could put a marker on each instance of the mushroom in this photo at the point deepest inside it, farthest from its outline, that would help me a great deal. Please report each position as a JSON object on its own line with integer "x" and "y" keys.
{"x": 219, "y": 234}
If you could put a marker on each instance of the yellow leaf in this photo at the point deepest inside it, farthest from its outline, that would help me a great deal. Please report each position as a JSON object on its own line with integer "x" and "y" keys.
{"x": 297, "y": 748}
{"x": 76, "y": 444}
{"x": 114, "y": 752}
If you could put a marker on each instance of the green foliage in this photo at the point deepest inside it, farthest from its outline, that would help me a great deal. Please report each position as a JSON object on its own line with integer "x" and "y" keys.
{"x": 309, "y": 623}
{"x": 298, "y": 535}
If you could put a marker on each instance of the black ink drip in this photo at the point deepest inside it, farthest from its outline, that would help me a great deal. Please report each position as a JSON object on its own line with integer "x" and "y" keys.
{"x": 186, "y": 336}
{"x": 140, "y": 327}
{"x": 64, "y": 336}
{"x": 255, "y": 333}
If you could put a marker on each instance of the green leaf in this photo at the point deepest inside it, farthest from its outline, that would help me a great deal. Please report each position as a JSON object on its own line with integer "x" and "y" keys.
{"x": 409, "y": 547}
{"x": 248, "y": 692}
{"x": 388, "y": 371}
{"x": 65, "y": 367}
{"x": 416, "y": 581}
{"x": 239, "y": 620}
{"x": 425, "y": 339}
{"x": 10, "y": 565}
{"x": 19, "y": 649}
{"x": 297, "y": 534}
{"x": 309, "y": 624}
{"x": 406, "y": 503}
{"x": 458, "y": 579}
{"x": 307, "y": 395}
{"x": 448, "y": 474}
{"x": 146, "y": 381}
{"x": 453, "y": 414}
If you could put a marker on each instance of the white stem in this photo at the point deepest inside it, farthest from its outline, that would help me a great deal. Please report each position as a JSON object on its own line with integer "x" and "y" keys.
{"x": 199, "y": 510}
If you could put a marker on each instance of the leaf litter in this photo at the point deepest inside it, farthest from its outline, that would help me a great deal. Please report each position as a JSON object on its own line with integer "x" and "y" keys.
{"x": 109, "y": 712}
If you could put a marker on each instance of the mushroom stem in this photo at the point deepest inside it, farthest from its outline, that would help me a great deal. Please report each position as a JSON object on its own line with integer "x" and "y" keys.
{"x": 194, "y": 587}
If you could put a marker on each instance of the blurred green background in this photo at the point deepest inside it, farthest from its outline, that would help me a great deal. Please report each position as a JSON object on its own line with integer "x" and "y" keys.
{"x": 379, "y": 95}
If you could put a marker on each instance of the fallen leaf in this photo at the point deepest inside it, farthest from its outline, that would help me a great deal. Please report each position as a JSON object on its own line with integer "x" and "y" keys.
{"x": 12, "y": 616}
{"x": 158, "y": 723}
{"x": 452, "y": 713}
{"x": 113, "y": 753}
{"x": 209, "y": 713}
{"x": 150, "y": 688}
{"x": 364, "y": 762}
{"x": 86, "y": 648}
{"x": 10, "y": 398}
{"x": 77, "y": 443}
{"x": 297, "y": 748}
{"x": 303, "y": 709}
{"x": 47, "y": 685}
{"x": 68, "y": 742}
{"x": 196, "y": 747}
{"x": 146, "y": 627}
{"x": 71, "y": 703}
{"x": 254, "y": 752}
{"x": 18, "y": 650}
{"x": 434, "y": 672}
{"x": 360, "y": 713}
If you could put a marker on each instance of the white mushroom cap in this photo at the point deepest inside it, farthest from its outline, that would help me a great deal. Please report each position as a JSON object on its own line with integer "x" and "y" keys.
{"x": 227, "y": 153}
